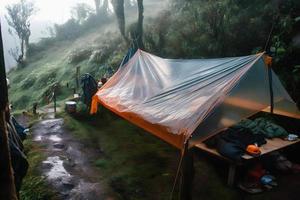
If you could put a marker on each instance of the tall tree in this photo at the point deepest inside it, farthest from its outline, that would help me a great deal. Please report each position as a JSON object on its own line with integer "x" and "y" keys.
{"x": 139, "y": 28}
{"x": 104, "y": 7}
{"x": 119, "y": 12}
{"x": 18, "y": 19}
{"x": 101, "y": 7}
{"x": 80, "y": 12}
{"x": 97, "y": 6}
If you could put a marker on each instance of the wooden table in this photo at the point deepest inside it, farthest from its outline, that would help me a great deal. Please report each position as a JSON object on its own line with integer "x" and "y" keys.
{"x": 271, "y": 145}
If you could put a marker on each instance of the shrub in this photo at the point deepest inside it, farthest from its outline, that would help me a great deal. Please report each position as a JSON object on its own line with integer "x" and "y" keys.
{"x": 79, "y": 55}
{"x": 42, "y": 45}
{"x": 28, "y": 82}
{"x": 67, "y": 31}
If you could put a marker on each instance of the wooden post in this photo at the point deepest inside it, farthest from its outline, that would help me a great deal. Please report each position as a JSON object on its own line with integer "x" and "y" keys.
{"x": 187, "y": 174}
{"x": 7, "y": 185}
{"x": 231, "y": 174}
{"x": 271, "y": 89}
{"x": 77, "y": 77}
{"x": 54, "y": 98}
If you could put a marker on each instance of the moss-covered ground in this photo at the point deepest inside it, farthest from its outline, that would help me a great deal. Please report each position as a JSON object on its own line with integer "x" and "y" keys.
{"x": 136, "y": 164}
{"x": 34, "y": 186}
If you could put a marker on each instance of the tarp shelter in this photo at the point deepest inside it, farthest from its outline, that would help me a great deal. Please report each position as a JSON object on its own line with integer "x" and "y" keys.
{"x": 180, "y": 99}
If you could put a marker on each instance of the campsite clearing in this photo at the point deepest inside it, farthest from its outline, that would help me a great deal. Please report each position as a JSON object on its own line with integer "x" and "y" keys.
{"x": 139, "y": 166}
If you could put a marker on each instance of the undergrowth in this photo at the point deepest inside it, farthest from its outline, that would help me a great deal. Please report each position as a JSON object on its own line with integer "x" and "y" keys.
{"x": 136, "y": 164}
{"x": 34, "y": 186}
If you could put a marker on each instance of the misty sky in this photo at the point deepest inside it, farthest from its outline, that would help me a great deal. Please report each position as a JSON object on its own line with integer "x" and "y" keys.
{"x": 48, "y": 13}
{"x": 56, "y": 11}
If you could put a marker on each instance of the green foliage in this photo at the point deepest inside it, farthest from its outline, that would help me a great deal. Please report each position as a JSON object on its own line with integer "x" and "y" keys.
{"x": 34, "y": 186}
{"x": 81, "y": 12}
{"x": 111, "y": 135}
{"x": 79, "y": 55}
{"x": 28, "y": 82}
{"x": 42, "y": 45}
{"x": 18, "y": 19}
{"x": 198, "y": 28}
{"x": 67, "y": 31}
{"x": 102, "y": 163}
{"x": 214, "y": 28}
{"x": 83, "y": 21}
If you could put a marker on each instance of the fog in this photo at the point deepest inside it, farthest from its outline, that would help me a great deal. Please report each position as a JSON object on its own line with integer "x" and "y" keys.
{"x": 48, "y": 13}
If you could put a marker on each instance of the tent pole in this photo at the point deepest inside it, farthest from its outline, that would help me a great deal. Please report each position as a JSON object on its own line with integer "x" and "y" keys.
{"x": 271, "y": 89}
{"x": 187, "y": 173}
{"x": 8, "y": 190}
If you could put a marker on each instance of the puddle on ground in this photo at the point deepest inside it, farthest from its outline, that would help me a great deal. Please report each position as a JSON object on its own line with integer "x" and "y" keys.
{"x": 38, "y": 138}
{"x": 67, "y": 167}
{"x": 52, "y": 122}
{"x": 57, "y": 171}
{"x": 55, "y": 138}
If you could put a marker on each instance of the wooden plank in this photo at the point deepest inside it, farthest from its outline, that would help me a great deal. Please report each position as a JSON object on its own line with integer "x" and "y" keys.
{"x": 211, "y": 151}
{"x": 271, "y": 145}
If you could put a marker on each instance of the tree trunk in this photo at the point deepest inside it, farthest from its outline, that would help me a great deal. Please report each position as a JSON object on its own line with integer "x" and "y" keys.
{"x": 140, "y": 24}
{"x": 21, "y": 57}
{"x": 26, "y": 47}
{"x": 119, "y": 11}
{"x": 8, "y": 190}
{"x": 104, "y": 7}
{"x": 97, "y": 6}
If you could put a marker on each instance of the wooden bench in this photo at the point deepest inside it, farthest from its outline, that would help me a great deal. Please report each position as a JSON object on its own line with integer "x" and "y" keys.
{"x": 271, "y": 145}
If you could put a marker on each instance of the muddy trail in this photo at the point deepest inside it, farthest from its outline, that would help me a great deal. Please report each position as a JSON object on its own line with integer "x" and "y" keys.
{"x": 68, "y": 166}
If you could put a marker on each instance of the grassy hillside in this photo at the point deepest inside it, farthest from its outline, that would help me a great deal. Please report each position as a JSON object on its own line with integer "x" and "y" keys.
{"x": 97, "y": 45}
{"x": 58, "y": 62}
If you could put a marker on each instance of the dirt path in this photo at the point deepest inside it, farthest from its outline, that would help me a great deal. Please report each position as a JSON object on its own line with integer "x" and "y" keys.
{"x": 69, "y": 164}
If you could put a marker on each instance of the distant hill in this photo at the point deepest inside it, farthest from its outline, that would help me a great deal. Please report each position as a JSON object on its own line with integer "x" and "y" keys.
{"x": 98, "y": 49}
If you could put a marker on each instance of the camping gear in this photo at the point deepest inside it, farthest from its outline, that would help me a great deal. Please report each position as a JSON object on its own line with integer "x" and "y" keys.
{"x": 233, "y": 143}
{"x": 256, "y": 172}
{"x": 103, "y": 80}
{"x": 253, "y": 150}
{"x": 282, "y": 163}
{"x": 70, "y": 107}
{"x": 175, "y": 99}
{"x": 89, "y": 88}
{"x": 21, "y": 131}
{"x": 251, "y": 188}
{"x": 76, "y": 96}
{"x": 292, "y": 137}
{"x": 263, "y": 126}
{"x": 100, "y": 84}
{"x": 251, "y": 183}
{"x": 267, "y": 180}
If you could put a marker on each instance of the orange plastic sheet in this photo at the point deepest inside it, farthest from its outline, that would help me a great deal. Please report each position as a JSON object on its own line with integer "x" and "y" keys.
{"x": 170, "y": 98}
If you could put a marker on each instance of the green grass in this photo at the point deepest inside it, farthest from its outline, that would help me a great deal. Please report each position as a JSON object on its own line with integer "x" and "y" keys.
{"x": 34, "y": 186}
{"x": 138, "y": 165}
{"x": 30, "y": 83}
{"x": 131, "y": 160}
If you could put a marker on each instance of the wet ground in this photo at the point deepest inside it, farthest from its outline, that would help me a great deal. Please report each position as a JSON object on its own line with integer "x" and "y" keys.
{"x": 68, "y": 166}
